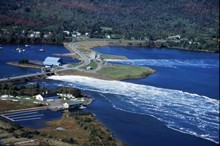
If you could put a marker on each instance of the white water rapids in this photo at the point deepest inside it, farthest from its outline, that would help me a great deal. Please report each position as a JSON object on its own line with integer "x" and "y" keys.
{"x": 185, "y": 112}
{"x": 172, "y": 63}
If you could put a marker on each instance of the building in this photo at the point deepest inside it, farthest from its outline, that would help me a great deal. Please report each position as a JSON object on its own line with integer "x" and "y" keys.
{"x": 72, "y": 104}
{"x": 88, "y": 68}
{"x": 52, "y": 61}
{"x": 39, "y": 97}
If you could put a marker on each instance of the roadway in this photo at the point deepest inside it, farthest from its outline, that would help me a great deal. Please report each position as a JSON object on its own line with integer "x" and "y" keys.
{"x": 86, "y": 60}
{"x": 24, "y": 76}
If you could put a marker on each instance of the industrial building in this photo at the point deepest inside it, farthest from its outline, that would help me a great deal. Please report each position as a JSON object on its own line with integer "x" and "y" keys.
{"x": 52, "y": 61}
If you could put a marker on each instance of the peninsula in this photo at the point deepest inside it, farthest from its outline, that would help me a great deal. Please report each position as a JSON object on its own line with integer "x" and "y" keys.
{"x": 93, "y": 64}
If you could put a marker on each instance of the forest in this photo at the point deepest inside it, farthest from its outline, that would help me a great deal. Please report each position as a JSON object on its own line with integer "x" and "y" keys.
{"x": 196, "y": 20}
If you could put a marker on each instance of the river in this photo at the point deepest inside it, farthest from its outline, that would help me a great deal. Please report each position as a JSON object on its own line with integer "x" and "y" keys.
{"x": 9, "y": 53}
{"x": 183, "y": 95}
{"x": 177, "y": 105}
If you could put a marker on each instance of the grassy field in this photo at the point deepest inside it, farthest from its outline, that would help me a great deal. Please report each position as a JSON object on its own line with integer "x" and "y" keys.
{"x": 11, "y": 105}
{"x": 87, "y": 46}
{"x": 81, "y": 129}
{"x": 114, "y": 72}
{"x": 119, "y": 72}
{"x": 73, "y": 64}
{"x": 78, "y": 128}
{"x": 107, "y": 56}
{"x": 93, "y": 64}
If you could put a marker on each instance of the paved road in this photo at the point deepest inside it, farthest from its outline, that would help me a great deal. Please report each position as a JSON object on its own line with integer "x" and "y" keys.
{"x": 86, "y": 60}
{"x": 24, "y": 76}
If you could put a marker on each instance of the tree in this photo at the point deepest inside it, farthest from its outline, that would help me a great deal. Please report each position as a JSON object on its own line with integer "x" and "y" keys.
{"x": 24, "y": 61}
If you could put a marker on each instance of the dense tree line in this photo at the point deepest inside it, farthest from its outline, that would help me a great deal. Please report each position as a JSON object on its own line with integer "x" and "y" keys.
{"x": 34, "y": 89}
{"x": 157, "y": 19}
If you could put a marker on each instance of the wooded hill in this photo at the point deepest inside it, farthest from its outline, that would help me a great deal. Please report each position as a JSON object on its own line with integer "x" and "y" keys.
{"x": 154, "y": 19}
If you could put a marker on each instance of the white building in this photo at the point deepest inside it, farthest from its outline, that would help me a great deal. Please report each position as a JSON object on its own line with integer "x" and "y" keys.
{"x": 65, "y": 105}
{"x": 52, "y": 61}
{"x": 39, "y": 97}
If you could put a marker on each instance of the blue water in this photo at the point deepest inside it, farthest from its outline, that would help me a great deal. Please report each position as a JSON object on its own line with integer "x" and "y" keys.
{"x": 183, "y": 95}
{"x": 177, "y": 105}
{"x": 9, "y": 53}
{"x": 195, "y": 72}
{"x": 46, "y": 115}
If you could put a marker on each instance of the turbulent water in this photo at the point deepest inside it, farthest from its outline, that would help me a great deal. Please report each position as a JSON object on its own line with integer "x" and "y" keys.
{"x": 182, "y": 111}
{"x": 173, "y": 63}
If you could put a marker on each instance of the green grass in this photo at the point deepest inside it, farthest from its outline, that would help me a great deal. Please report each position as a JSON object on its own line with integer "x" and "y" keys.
{"x": 93, "y": 64}
{"x": 107, "y": 56}
{"x": 117, "y": 71}
{"x": 74, "y": 64}
{"x": 84, "y": 50}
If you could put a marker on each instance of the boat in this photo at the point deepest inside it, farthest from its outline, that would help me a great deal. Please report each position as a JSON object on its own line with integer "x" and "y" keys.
{"x": 18, "y": 48}
{"x": 1, "y": 48}
{"x": 82, "y": 107}
{"x": 41, "y": 50}
{"x": 27, "y": 45}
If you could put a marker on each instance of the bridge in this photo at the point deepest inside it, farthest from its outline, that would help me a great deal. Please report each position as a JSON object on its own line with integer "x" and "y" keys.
{"x": 42, "y": 75}
{"x": 27, "y": 77}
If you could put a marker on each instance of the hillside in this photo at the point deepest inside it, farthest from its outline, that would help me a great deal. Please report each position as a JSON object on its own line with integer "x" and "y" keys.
{"x": 195, "y": 20}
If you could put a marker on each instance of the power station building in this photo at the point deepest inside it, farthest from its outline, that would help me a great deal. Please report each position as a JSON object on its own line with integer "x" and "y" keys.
{"x": 52, "y": 61}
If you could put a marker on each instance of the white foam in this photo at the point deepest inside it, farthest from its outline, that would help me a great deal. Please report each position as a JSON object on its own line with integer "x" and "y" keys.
{"x": 172, "y": 63}
{"x": 186, "y": 112}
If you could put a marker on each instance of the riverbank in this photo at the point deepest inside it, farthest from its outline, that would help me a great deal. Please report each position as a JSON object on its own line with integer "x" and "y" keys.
{"x": 75, "y": 128}
{"x": 9, "y": 106}
{"x": 100, "y": 69}
{"x": 113, "y": 72}
{"x": 141, "y": 43}
{"x": 26, "y": 65}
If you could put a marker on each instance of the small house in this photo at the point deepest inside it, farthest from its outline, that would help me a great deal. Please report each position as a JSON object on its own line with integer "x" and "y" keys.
{"x": 65, "y": 105}
{"x": 72, "y": 104}
{"x": 53, "y": 61}
{"x": 88, "y": 68}
{"x": 39, "y": 97}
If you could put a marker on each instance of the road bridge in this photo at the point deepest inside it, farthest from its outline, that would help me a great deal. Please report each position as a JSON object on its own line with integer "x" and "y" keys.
{"x": 27, "y": 77}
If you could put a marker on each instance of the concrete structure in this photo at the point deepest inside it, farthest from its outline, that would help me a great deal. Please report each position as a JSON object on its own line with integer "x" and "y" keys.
{"x": 47, "y": 69}
{"x": 98, "y": 57}
{"x": 52, "y": 61}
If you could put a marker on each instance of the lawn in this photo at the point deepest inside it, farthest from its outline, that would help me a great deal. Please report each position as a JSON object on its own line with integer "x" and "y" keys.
{"x": 118, "y": 71}
{"x": 93, "y": 64}
{"x": 107, "y": 56}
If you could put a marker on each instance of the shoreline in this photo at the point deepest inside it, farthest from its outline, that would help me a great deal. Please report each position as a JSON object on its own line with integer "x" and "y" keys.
{"x": 119, "y": 40}
{"x": 25, "y": 65}
{"x": 99, "y": 76}
{"x": 106, "y": 72}
{"x": 138, "y": 43}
